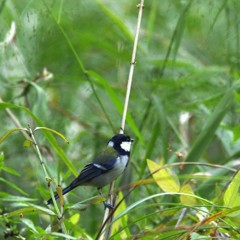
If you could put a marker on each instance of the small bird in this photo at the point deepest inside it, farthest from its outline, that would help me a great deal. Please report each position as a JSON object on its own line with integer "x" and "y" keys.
{"x": 105, "y": 168}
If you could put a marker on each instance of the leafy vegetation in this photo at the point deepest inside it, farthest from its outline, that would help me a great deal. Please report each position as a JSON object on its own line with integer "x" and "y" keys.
{"x": 63, "y": 75}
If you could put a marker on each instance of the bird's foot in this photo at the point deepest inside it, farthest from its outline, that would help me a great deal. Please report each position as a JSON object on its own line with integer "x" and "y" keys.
{"x": 108, "y": 205}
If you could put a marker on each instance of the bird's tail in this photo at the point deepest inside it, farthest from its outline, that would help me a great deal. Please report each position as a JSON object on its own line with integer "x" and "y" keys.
{"x": 56, "y": 196}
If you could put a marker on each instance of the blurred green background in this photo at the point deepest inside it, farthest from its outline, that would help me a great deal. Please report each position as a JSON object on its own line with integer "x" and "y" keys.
{"x": 188, "y": 60}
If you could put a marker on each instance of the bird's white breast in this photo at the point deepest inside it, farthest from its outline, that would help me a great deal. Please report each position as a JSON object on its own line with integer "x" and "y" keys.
{"x": 121, "y": 163}
{"x": 112, "y": 174}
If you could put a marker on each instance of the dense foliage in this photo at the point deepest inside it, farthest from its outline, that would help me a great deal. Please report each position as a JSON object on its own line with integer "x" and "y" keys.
{"x": 64, "y": 68}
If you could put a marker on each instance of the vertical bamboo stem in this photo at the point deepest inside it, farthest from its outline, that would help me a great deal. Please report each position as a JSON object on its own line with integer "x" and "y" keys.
{"x": 105, "y": 231}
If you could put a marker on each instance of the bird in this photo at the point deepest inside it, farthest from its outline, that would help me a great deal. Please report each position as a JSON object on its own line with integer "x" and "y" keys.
{"x": 105, "y": 168}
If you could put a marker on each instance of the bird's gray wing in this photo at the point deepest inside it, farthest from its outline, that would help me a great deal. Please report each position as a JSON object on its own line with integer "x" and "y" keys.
{"x": 93, "y": 170}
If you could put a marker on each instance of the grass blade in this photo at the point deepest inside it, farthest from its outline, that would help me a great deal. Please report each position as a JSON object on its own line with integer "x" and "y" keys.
{"x": 210, "y": 128}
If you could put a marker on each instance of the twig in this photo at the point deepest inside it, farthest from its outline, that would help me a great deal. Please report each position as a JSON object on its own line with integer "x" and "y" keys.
{"x": 108, "y": 215}
{"x": 183, "y": 213}
{"x": 15, "y": 120}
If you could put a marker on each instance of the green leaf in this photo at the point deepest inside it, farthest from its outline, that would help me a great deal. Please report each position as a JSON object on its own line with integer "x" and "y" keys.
{"x": 13, "y": 198}
{"x": 186, "y": 200}
{"x": 163, "y": 125}
{"x": 77, "y": 207}
{"x": 53, "y": 131}
{"x": 179, "y": 30}
{"x": 27, "y": 143}
{"x": 209, "y": 130}
{"x": 8, "y": 133}
{"x": 124, "y": 234}
{"x": 116, "y": 20}
{"x": 74, "y": 219}
{"x": 11, "y": 171}
{"x": 63, "y": 236}
{"x": 13, "y": 186}
{"x": 143, "y": 200}
{"x": 150, "y": 147}
{"x": 32, "y": 209}
{"x": 29, "y": 224}
{"x": 196, "y": 236}
{"x": 164, "y": 178}
{"x": 117, "y": 103}
{"x": 231, "y": 196}
{"x": 48, "y": 135}
{"x": 1, "y": 160}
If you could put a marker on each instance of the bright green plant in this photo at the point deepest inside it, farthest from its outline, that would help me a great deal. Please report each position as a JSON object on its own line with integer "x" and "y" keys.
{"x": 64, "y": 66}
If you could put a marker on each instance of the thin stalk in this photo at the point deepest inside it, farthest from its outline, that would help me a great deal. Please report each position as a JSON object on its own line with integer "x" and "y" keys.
{"x": 108, "y": 215}
{"x": 15, "y": 120}
{"x": 28, "y": 134}
{"x": 48, "y": 179}
{"x": 132, "y": 65}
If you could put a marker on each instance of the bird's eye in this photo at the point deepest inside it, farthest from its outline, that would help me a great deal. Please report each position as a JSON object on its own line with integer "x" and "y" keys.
{"x": 129, "y": 139}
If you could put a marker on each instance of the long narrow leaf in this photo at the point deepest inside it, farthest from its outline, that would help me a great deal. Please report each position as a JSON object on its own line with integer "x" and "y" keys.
{"x": 117, "y": 103}
{"x": 13, "y": 186}
{"x": 210, "y": 128}
{"x": 163, "y": 124}
{"x": 31, "y": 210}
{"x": 10, "y": 132}
{"x": 116, "y": 20}
{"x": 143, "y": 200}
{"x": 53, "y": 131}
{"x": 121, "y": 222}
{"x": 150, "y": 146}
{"x": 48, "y": 135}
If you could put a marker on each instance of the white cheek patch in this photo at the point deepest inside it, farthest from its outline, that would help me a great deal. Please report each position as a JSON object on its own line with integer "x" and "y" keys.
{"x": 126, "y": 146}
{"x": 111, "y": 144}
